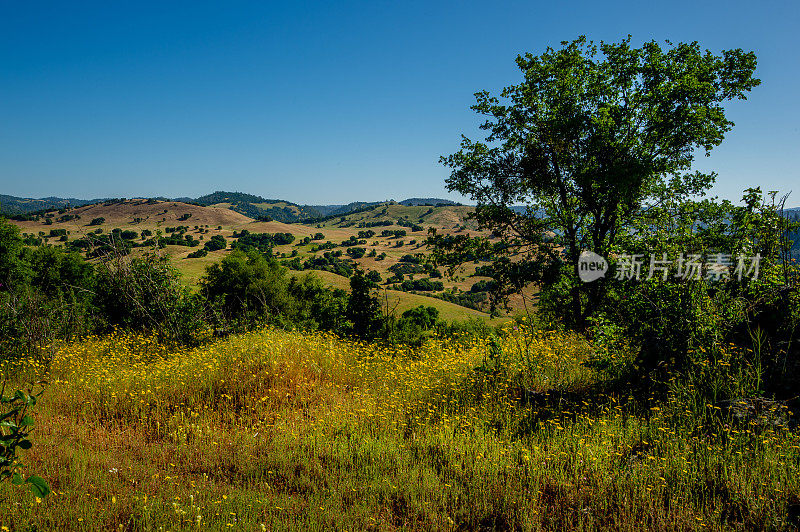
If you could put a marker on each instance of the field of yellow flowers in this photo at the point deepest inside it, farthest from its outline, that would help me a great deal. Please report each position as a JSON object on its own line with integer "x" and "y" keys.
{"x": 276, "y": 430}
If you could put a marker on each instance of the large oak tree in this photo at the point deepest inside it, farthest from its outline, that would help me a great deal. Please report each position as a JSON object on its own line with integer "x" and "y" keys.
{"x": 590, "y": 139}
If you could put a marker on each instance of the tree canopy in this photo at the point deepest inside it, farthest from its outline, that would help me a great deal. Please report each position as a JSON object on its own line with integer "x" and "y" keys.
{"x": 589, "y": 140}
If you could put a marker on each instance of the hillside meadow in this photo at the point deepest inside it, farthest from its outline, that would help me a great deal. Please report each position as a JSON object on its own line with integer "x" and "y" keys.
{"x": 205, "y": 222}
{"x": 277, "y": 430}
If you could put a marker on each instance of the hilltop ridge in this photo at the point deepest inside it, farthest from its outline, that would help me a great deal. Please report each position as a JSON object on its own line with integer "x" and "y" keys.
{"x": 250, "y": 205}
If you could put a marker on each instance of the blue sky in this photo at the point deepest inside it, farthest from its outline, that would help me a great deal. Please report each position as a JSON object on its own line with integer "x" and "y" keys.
{"x": 329, "y": 102}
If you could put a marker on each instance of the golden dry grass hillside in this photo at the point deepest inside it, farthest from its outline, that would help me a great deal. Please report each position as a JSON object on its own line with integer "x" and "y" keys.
{"x": 384, "y": 249}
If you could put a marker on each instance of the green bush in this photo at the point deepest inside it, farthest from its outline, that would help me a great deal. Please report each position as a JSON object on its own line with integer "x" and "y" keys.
{"x": 247, "y": 288}
{"x": 145, "y": 293}
{"x": 15, "y": 428}
{"x": 216, "y": 243}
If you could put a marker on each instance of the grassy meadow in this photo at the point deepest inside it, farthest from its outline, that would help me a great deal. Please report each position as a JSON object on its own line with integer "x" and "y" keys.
{"x": 276, "y": 430}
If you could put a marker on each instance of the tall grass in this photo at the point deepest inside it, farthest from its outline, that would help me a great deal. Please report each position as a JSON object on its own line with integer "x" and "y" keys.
{"x": 275, "y": 430}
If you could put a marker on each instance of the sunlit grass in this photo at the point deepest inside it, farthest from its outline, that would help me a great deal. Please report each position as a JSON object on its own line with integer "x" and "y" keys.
{"x": 310, "y": 431}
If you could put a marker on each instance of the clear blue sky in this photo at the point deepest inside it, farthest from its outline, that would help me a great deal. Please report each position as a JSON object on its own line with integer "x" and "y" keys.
{"x": 329, "y": 102}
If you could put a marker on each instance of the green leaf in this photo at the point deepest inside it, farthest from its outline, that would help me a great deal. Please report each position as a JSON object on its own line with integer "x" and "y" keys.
{"x": 17, "y": 479}
{"x": 38, "y": 486}
{"x": 26, "y": 421}
{"x": 25, "y": 444}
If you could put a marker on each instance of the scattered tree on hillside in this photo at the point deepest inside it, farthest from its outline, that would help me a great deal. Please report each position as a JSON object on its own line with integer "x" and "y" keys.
{"x": 363, "y": 309}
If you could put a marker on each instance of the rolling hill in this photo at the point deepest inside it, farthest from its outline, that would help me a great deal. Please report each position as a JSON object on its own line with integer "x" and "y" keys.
{"x": 250, "y": 205}
{"x": 14, "y": 205}
{"x": 257, "y": 207}
{"x": 388, "y": 234}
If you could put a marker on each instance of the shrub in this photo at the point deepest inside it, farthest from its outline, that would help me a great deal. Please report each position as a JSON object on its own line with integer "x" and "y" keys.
{"x": 216, "y": 243}
{"x": 356, "y": 252}
{"x": 247, "y": 288}
{"x": 145, "y": 293}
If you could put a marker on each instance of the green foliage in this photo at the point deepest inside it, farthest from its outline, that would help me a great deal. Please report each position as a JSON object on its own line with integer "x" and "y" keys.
{"x": 15, "y": 429}
{"x": 59, "y": 273}
{"x": 145, "y": 293}
{"x": 330, "y": 262}
{"x": 247, "y": 287}
{"x": 13, "y": 270}
{"x": 482, "y": 286}
{"x": 374, "y": 276}
{"x": 681, "y": 324}
{"x": 424, "y": 285}
{"x": 263, "y": 242}
{"x": 317, "y": 306}
{"x": 590, "y": 138}
{"x": 406, "y": 268}
{"x": 353, "y": 241}
{"x": 423, "y": 316}
{"x": 216, "y": 243}
{"x": 363, "y": 309}
{"x": 356, "y": 252}
{"x": 53, "y": 300}
{"x": 412, "y": 259}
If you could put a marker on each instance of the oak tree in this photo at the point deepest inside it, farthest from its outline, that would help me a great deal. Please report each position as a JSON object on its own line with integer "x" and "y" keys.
{"x": 589, "y": 139}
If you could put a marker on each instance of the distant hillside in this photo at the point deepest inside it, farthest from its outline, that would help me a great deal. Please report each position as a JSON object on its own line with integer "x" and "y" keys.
{"x": 428, "y": 202}
{"x": 325, "y": 210}
{"x": 348, "y": 211}
{"x": 15, "y": 205}
{"x": 340, "y": 210}
{"x": 137, "y": 213}
{"x": 410, "y": 217}
{"x": 257, "y": 207}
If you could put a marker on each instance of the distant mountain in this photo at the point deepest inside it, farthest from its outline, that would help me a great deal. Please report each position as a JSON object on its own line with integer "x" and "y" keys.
{"x": 431, "y": 202}
{"x": 257, "y": 207}
{"x": 230, "y": 197}
{"x": 335, "y": 211}
{"x": 15, "y": 205}
{"x": 326, "y": 210}
{"x": 339, "y": 210}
